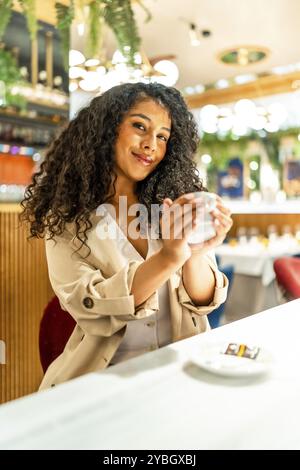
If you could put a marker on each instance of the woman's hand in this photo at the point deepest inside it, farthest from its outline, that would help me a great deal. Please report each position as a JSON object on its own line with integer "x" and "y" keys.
{"x": 222, "y": 223}
{"x": 178, "y": 222}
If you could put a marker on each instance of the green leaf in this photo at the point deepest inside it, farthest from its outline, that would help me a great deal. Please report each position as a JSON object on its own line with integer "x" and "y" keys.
{"x": 5, "y": 14}
{"x": 222, "y": 149}
{"x": 119, "y": 16}
{"x": 10, "y": 75}
{"x": 9, "y": 71}
{"x": 65, "y": 16}
{"x": 95, "y": 28}
{"x": 28, "y": 7}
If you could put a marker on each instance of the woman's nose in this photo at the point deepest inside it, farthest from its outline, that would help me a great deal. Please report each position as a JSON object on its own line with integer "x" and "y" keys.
{"x": 149, "y": 143}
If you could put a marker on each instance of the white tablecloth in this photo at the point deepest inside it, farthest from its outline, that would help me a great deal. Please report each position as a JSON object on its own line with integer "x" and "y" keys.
{"x": 162, "y": 401}
{"x": 254, "y": 287}
{"x": 254, "y": 259}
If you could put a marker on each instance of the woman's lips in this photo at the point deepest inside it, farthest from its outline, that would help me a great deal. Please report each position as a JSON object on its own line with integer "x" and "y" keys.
{"x": 142, "y": 159}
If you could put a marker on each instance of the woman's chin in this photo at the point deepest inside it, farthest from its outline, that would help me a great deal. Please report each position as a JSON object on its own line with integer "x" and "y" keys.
{"x": 140, "y": 176}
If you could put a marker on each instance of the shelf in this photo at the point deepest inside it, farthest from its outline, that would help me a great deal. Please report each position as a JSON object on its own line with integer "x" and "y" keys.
{"x": 10, "y": 144}
{"x": 26, "y": 120}
{"x": 50, "y": 106}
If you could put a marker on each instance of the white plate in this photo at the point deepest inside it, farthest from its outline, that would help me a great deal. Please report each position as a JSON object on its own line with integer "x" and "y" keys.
{"x": 211, "y": 357}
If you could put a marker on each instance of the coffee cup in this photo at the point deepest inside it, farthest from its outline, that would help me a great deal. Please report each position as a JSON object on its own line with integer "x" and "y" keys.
{"x": 205, "y": 229}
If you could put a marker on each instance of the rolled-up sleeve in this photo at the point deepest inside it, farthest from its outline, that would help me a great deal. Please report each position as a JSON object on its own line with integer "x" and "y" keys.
{"x": 220, "y": 293}
{"x": 100, "y": 306}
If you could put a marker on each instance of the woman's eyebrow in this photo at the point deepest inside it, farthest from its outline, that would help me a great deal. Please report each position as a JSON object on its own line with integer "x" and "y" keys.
{"x": 143, "y": 116}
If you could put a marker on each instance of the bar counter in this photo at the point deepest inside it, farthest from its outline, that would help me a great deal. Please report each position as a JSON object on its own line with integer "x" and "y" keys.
{"x": 261, "y": 215}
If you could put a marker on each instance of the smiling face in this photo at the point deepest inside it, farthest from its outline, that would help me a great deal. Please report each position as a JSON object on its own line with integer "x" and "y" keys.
{"x": 142, "y": 140}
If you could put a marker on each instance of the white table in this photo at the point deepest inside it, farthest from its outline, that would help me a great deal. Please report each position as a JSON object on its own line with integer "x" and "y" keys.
{"x": 162, "y": 401}
{"x": 255, "y": 259}
{"x": 254, "y": 287}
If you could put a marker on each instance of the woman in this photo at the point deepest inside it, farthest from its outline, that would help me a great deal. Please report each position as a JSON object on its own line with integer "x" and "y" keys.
{"x": 128, "y": 293}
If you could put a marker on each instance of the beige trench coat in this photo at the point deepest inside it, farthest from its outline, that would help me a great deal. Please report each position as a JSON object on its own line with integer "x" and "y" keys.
{"x": 95, "y": 290}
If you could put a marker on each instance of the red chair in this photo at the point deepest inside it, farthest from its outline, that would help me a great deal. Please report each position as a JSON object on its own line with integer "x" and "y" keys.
{"x": 56, "y": 328}
{"x": 287, "y": 270}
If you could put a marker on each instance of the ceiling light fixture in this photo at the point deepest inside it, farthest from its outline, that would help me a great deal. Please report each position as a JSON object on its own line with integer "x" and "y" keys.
{"x": 194, "y": 35}
{"x": 243, "y": 55}
{"x": 206, "y": 33}
{"x": 89, "y": 76}
{"x": 242, "y": 118}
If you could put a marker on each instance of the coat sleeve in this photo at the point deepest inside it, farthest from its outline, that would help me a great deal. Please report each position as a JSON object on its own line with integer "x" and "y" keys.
{"x": 101, "y": 306}
{"x": 220, "y": 294}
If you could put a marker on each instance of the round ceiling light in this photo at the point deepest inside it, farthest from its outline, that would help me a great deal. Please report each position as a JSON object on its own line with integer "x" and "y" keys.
{"x": 243, "y": 55}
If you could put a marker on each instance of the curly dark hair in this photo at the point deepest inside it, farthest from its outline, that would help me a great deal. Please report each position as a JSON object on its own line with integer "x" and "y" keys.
{"x": 77, "y": 173}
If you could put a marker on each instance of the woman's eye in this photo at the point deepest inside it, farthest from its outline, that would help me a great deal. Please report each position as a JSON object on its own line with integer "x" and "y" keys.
{"x": 138, "y": 125}
{"x": 162, "y": 137}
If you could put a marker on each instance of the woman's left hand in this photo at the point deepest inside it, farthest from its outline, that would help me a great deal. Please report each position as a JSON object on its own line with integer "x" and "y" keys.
{"x": 222, "y": 223}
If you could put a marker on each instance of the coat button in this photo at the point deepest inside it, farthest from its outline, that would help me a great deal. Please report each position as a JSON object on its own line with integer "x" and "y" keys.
{"x": 88, "y": 302}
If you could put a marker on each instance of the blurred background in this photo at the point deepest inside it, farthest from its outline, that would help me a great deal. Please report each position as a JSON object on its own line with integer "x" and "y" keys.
{"x": 236, "y": 62}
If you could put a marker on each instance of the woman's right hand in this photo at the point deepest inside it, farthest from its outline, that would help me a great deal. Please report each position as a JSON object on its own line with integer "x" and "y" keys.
{"x": 177, "y": 223}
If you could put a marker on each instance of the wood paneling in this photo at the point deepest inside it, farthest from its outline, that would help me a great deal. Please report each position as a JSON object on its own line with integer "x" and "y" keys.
{"x": 262, "y": 221}
{"x": 264, "y": 86}
{"x": 24, "y": 293}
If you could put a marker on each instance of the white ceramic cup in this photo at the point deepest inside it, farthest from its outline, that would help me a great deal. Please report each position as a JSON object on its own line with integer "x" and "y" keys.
{"x": 205, "y": 230}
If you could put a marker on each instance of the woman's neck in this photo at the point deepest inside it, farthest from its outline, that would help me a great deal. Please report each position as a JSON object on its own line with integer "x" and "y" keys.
{"x": 124, "y": 188}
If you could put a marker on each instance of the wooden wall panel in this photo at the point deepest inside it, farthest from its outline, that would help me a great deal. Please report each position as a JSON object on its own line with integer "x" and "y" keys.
{"x": 24, "y": 293}
{"x": 262, "y": 86}
{"x": 262, "y": 221}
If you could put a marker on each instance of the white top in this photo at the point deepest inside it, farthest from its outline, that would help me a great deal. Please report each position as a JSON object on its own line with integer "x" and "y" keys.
{"x": 161, "y": 401}
{"x": 146, "y": 334}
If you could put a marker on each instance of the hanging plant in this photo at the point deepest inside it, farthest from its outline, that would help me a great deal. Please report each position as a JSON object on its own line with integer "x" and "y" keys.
{"x": 10, "y": 76}
{"x": 65, "y": 16}
{"x": 29, "y": 10}
{"x": 95, "y": 28}
{"x": 271, "y": 144}
{"x": 221, "y": 149}
{"x": 28, "y": 7}
{"x": 119, "y": 16}
{"x": 9, "y": 71}
{"x": 5, "y": 9}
